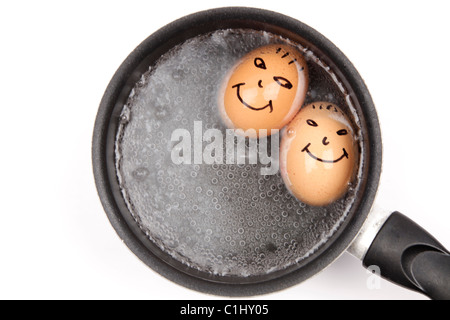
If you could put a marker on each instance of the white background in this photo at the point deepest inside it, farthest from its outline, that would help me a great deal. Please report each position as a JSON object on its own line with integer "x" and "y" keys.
{"x": 56, "y": 59}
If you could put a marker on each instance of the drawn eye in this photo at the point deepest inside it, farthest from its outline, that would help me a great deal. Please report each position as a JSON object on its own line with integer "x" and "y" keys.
{"x": 312, "y": 123}
{"x": 342, "y": 132}
{"x": 285, "y": 83}
{"x": 259, "y": 63}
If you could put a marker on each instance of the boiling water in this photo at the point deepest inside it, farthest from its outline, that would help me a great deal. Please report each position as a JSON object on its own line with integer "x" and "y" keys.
{"x": 222, "y": 219}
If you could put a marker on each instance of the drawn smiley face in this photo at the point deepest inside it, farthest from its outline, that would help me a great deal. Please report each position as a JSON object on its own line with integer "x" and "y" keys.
{"x": 318, "y": 154}
{"x": 265, "y": 89}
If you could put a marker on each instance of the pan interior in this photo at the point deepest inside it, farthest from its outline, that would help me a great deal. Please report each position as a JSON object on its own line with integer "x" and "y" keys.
{"x": 220, "y": 221}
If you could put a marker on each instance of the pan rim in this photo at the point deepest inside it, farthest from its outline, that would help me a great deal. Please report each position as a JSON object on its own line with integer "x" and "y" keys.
{"x": 102, "y": 129}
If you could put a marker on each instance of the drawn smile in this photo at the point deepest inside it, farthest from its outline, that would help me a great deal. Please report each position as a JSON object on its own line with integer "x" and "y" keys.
{"x": 238, "y": 86}
{"x": 344, "y": 155}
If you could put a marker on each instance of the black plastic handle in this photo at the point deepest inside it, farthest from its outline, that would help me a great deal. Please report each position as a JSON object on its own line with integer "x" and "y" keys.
{"x": 408, "y": 255}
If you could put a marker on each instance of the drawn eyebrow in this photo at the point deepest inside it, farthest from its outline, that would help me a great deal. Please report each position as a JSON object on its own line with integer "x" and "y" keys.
{"x": 278, "y": 50}
{"x": 285, "y": 55}
{"x": 292, "y": 61}
{"x": 330, "y": 107}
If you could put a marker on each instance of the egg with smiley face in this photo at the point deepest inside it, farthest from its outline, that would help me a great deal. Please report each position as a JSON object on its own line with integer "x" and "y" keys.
{"x": 318, "y": 154}
{"x": 264, "y": 90}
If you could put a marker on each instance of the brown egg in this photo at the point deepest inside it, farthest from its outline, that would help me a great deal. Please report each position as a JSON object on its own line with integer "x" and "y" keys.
{"x": 265, "y": 89}
{"x": 318, "y": 154}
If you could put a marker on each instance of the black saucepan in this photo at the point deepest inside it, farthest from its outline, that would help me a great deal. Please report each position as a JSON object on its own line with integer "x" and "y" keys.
{"x": 223, "y": 228}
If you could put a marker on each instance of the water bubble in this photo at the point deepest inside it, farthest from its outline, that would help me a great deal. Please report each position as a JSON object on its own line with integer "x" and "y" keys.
{"x": 140, "y": 174}
{"x": 178, "y": 74}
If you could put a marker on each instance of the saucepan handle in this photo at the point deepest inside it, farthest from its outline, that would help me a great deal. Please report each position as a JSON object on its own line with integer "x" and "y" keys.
{"x": 408, "y": 255}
